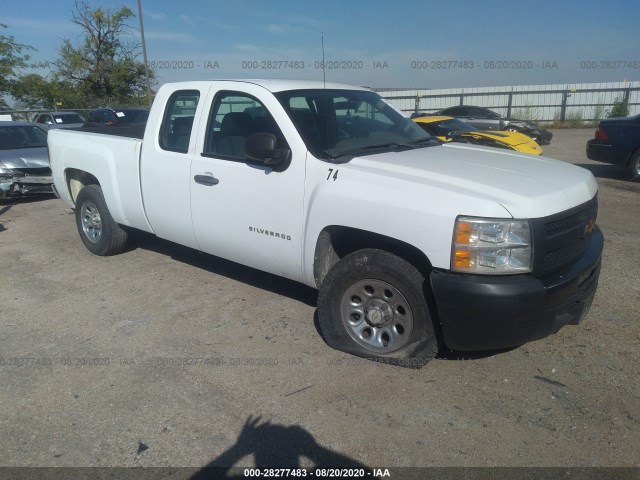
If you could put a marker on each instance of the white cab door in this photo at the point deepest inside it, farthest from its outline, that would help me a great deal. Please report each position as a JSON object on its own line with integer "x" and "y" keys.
{"x": 166, "y": 164}
{"x": 241, "y": 210}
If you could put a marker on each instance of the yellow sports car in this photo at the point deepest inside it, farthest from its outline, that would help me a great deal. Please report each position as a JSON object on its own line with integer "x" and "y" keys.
{"x": 449, "y": 129}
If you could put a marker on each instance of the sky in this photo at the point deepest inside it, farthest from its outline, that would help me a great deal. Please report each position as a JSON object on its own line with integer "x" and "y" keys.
{"x": 399, "y": 44}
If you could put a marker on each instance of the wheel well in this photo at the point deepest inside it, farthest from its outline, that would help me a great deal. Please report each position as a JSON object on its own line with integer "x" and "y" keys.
{"x": 77, "y": 180}
{"x": 335, "y": 242}
{"x": 632, "y": 156}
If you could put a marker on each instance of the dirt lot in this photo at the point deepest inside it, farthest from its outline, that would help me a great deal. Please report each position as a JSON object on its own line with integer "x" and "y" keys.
{"x": 162, "y": 356}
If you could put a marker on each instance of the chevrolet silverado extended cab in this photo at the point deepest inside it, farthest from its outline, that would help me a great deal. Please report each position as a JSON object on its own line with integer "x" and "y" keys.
{"x": 412, "y": 244}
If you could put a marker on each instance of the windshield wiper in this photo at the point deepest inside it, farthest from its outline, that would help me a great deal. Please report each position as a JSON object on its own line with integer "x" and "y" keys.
{"x": 425, "y": 140}
{"x": 366, "y": 148}
{"x": 393, "y": 146}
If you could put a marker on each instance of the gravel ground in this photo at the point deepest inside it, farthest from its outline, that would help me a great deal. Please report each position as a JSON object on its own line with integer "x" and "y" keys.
{"x": 162, "y": 356}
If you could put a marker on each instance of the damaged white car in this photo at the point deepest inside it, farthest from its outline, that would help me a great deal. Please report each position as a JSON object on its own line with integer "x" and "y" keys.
{"x": 24, "y": 160}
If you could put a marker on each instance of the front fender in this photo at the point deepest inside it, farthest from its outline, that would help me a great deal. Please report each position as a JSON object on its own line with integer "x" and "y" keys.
{"x": 402, "y": 208}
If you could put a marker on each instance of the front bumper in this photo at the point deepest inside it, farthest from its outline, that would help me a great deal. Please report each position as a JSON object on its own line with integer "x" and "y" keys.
{"x": 602, "y": 151}
{"x": 479, "y": 312}
{"x": 25, "y": 185}
{"x": 542, "y": 136}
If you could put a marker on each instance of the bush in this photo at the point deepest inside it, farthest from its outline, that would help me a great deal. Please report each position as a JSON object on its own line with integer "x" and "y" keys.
{"x": 526, "y": 112}
{"x": 598, "y": 114}
{"x": 574, "y": 119}
{"x": 620, "y": 108}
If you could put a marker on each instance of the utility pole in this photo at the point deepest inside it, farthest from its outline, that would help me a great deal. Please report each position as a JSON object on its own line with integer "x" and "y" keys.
{"x": 144, "y": 53}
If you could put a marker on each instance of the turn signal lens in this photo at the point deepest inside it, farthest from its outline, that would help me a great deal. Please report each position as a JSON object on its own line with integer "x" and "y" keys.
{"x": 463, "y": 233}
{"x": 462, "y": 259}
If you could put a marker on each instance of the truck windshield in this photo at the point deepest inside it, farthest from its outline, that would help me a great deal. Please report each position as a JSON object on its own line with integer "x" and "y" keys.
{"x": 341, "y": 123}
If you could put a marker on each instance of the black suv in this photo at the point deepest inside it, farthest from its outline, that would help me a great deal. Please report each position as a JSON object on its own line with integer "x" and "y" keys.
{"x": 117, "y": 117}
{"x": 485, "y": 119}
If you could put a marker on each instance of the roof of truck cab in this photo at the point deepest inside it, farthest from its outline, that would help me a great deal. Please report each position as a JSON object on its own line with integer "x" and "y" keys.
{"x": 281, "y": 85}
{"x": 274, "y": 85}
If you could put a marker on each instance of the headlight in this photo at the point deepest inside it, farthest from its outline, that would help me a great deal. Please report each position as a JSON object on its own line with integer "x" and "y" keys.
{"x": 491, "y": 246}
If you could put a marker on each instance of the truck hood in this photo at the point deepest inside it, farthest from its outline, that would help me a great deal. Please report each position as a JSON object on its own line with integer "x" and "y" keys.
{"x": 22, "y": 158}
{"x": 527, "y": 186}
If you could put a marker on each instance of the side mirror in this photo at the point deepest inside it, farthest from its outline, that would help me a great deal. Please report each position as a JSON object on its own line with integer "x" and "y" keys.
{"x": 263, "y": 147}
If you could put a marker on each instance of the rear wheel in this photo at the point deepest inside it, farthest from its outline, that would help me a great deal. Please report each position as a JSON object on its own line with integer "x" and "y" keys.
{"x": 372, "y": 304}
{"x": 634, "y": 166}
{"x": 98, "y": 231}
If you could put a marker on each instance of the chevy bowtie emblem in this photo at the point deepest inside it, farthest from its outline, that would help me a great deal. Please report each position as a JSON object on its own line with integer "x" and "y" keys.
{"x": 588, "y": 228}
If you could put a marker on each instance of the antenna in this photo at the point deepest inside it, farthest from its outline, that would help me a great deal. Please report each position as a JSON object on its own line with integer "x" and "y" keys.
{"x": 324, "y": 76}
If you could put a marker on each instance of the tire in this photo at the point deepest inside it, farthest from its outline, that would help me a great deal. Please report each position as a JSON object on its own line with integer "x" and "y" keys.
{"x": 98, "y": 231}
{"x": 634, "y": 166}
{"x": 372, "y": 304}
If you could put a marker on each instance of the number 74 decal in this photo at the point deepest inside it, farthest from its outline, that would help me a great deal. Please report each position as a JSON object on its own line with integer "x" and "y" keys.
{"x": 334, "y": 176}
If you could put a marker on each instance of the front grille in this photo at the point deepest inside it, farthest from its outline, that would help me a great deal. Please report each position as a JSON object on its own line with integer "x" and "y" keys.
{"x": 35, "y": 172}
{"x": 557, "y": 226}
{"x": 563, "y": 238}
{"x": 567, "y": 253}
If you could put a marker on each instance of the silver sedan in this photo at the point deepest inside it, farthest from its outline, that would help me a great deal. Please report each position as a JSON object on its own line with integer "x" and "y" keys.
{"x": 24, "y": 160}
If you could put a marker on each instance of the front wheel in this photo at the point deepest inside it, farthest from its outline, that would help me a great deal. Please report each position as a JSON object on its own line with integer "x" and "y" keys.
{"x": 372, "y": 304}
{"x": 98, "y": 231}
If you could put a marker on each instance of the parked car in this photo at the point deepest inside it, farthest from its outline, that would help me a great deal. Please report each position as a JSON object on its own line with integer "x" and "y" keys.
{"x": 24, "y": 161}
{"x": 117, "y": 117}
{"x": 485, "y": 119}
{"x": 50, "y": 120}
{"x": 449, "y": 129}
{"x": 617, "y": 141}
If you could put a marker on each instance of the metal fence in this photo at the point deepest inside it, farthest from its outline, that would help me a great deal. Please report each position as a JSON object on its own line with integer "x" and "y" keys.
{"x": 30, "y": 115}
{"x": 578, "y": 103}
{"x": 545, "y": 103}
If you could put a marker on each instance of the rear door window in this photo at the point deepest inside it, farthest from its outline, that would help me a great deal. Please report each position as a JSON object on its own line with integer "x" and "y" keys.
{"x": 177, "y": 123}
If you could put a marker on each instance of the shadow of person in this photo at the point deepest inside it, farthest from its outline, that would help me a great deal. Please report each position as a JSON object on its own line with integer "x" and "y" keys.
{"x": 276, "y": 446}
{"x": 4, "y": 209}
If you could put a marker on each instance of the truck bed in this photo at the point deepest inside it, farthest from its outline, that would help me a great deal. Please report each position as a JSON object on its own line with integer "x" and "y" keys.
{"x": 113, "y": 159}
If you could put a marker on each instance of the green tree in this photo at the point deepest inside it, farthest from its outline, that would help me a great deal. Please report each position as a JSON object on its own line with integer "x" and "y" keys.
{"x": 104, "y": 67}
{"x": 12, "y": 57}
{"x": 36, "y": 91}
{"x": 620, "y": 107}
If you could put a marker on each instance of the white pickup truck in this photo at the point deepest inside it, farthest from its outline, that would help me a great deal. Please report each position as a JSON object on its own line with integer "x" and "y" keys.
{"x": 412, "y": 244}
